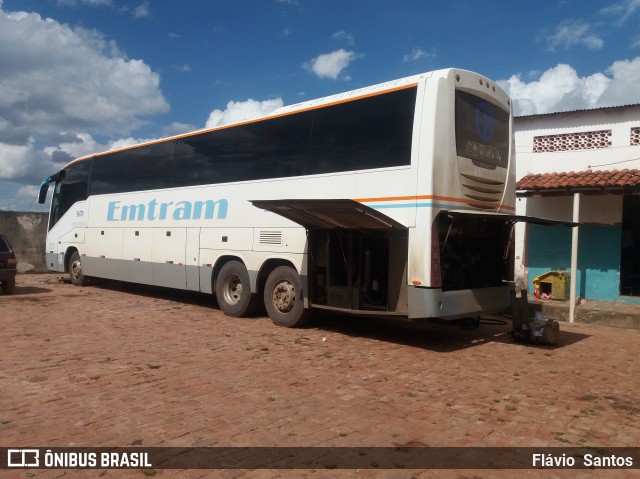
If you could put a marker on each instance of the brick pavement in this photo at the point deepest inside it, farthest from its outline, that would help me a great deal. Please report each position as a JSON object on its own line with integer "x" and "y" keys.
{"x": 121, "y": 365}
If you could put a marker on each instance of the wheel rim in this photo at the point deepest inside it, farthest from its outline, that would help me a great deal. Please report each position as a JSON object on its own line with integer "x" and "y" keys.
{"x": 232, "y": 289}
{"x": 76, "y": 269}
{"x": 284, "y": 296}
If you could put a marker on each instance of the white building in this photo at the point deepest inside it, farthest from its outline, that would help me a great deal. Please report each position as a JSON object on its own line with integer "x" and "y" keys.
{"x": 583, "y": 166}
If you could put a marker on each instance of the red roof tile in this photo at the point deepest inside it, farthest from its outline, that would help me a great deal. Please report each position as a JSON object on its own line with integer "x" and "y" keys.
{"x": 577, "y": 180}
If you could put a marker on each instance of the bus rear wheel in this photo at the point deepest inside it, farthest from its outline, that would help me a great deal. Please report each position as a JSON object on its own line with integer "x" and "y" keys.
{"x": 284, "y": 299}
{"x": 233, "y": 290}
{"x": 75, "y": 270}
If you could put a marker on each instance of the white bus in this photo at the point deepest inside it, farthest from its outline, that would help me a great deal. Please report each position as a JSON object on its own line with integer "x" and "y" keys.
{"x": 395, "y": 199}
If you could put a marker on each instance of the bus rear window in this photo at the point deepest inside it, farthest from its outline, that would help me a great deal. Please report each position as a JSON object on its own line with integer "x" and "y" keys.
{"x": 482, "y": 130}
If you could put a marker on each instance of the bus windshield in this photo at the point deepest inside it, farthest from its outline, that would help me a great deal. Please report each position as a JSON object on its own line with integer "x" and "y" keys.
{"x": 71, "y": 186}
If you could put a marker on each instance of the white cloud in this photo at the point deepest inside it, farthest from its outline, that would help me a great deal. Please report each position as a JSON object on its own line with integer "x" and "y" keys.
{"x": 242, "y": 110}
{"x": 623, "y": 10}
{"x": 85, "y": 144}
{"x": 330, "y": 65}
{"x": 28, "y": 192}
{"x": 177, "y": 128}
{"x": 59, "y": 86}
{"x": 184, "y": 68}
{"x": 141, "y": 11}
{"x": 72, "y": 3}
{"x": 624, "y": 88}
{"x": 55, "y": 78}
{"x": 573, "y": 32}
{"x": 127, "y": 142}
{"x": 344, "y": 36}
{"x": 73, "y": 146}
{"x": 20, "y": 162}
{"x": 18, "y": 197}
{"x": 561, "y": 89}
{"x": 416, "y": 54}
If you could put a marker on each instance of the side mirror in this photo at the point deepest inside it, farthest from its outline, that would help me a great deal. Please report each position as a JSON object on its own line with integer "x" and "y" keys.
{"x": 44, "y": 187}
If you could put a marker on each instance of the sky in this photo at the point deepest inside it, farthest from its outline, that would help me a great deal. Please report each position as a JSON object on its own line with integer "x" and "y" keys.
{"x": 84, "y": 76}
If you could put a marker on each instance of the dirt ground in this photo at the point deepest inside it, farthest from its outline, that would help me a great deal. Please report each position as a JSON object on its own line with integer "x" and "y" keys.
{"x": 121, "y": 365}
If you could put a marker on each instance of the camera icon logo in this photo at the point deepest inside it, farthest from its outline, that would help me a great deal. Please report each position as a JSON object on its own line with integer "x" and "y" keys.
{"x": 23, "y": 457}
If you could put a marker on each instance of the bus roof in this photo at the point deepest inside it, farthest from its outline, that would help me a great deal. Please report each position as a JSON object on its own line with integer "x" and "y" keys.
{"x": 348, "y": 95}
{"x": 287, "y": 110}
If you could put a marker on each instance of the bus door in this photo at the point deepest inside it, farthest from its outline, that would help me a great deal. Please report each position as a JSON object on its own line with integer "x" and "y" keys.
{"x": 357, "y": 256}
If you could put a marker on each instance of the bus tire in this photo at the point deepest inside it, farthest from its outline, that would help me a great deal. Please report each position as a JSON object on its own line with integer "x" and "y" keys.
{"x": 233, "y": 290}
{"x": 284, "y": 298}
{"x": 75, "y": 270}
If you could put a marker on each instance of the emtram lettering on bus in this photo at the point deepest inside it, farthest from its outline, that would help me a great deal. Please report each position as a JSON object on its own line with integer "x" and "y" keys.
{"x": 181, "y": 210}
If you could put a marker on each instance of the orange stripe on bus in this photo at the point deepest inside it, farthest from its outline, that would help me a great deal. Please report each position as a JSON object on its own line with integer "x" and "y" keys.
{"x": 397, "y": 198}
{"x": 433, "y": 197}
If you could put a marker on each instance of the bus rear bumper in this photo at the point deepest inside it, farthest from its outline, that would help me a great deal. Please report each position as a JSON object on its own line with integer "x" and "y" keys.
{"x": 435, "y": 303}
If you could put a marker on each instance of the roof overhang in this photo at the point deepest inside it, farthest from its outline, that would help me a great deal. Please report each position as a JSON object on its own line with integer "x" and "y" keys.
{"x": 329, "y": 214}
{"x": 588, "y": 182}
{"x": 609, "y": 190}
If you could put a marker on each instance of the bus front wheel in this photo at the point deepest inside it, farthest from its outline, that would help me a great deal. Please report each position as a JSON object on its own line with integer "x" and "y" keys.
{"x": 283, "y": 298}
{"x": 75, "y": 270}
{"x": 233, "y": 290}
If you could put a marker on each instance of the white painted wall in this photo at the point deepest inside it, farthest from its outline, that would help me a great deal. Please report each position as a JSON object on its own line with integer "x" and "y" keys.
{"x": 593, "y": 209}
{"x": 620, "y": 155}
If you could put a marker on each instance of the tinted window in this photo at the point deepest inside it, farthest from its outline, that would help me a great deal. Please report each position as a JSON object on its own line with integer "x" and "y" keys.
{"x": 206, "y": 158}
{"x": 148, "y": 167}
{"x": 72, "y": 188}
{"x": 373, "y": 132}
{"x": 108, "y": 175}
{"x": 274, "y": 148}
{"x": 482, "y": 130}
{"x": 75, "y": 182}
{"x": 4, "y": 247}
{"x": 152, "y": 167}
{"x": 264, "y": 149}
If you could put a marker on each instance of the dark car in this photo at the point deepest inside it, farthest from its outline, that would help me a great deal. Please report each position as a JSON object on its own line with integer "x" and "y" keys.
{"x": 8, "y": 265}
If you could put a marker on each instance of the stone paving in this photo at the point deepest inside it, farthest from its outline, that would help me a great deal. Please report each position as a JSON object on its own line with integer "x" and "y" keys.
{"x": 122, "y": 365}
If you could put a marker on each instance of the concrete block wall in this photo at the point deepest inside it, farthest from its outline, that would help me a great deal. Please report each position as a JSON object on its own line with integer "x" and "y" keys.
{"x": 27, "y": 234}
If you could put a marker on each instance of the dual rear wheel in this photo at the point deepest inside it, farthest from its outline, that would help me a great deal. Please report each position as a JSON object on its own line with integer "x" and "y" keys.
{"x": 283, "y": 295}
